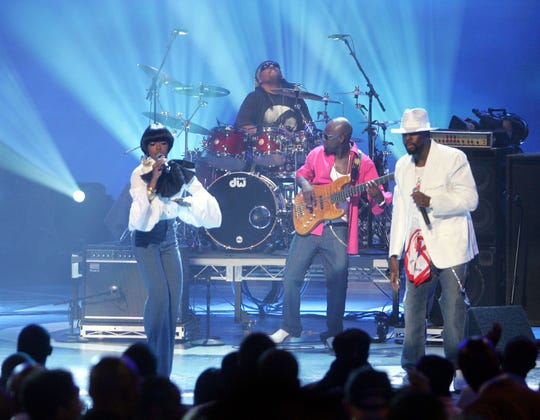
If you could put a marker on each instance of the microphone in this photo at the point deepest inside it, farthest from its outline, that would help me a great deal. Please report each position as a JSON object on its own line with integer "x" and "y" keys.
{"x": 166, "y": 168}
{"x": 423, "y": 210}
{"x": 337, "y": 37}
{"x": 179, "y": 31}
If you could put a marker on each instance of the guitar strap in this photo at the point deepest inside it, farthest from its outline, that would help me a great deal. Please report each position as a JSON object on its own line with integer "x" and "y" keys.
{"x": 355, "y": 167}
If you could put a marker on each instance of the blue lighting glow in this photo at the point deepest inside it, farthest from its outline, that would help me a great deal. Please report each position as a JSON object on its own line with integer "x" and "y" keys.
{"x": 73, "y": 96}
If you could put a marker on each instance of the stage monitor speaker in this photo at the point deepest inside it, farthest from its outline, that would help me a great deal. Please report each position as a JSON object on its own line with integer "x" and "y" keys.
{"x": 513, "y": 321}
{"x": 523, "y": 234}
{"x": 113, "y": 290}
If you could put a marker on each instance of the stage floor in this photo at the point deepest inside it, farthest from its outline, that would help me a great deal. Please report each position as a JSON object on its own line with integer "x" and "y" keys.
{"x": 47, "y": 303}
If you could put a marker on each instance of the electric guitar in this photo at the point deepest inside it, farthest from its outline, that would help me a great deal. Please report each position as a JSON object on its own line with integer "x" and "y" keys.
{"x": 327, "y": 197}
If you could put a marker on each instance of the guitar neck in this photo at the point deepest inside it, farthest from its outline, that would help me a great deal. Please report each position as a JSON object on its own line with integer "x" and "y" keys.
{"x": 345, "y": 193}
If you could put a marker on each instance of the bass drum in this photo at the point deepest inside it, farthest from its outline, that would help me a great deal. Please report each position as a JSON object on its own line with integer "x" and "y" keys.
{"x": 249, "y": 207}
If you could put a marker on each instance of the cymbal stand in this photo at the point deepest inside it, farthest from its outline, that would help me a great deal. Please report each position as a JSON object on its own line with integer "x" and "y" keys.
{"x": 153, "y": 90}
{"x": 186, "y": 123}
{"x": 371, "y": 134}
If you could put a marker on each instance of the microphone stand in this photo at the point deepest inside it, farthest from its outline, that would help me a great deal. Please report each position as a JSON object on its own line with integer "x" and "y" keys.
{"x": 154, "y": 87}
{"x": 371, "y": 133}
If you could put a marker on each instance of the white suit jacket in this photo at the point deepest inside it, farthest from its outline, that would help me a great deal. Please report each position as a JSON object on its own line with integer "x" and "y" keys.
{"x": 448, "y": 180}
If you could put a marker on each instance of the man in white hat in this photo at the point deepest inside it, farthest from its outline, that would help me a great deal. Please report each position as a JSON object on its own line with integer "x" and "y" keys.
{"x": 432, "y": 231}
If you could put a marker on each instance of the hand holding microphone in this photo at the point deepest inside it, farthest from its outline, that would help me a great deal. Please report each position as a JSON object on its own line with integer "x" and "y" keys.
{"x": 422, "y": 201}
{"x": 165, "y": 167}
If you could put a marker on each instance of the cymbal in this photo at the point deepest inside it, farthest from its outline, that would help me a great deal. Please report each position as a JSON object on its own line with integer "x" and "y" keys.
{"x": 355, "y": 92}
{"x": 177, "y": 123}
{"x": 202, "y": 90}
{"x": 302, "y": 94}
{"x": 384, "y": 124}
{"x": 165, "y": 78}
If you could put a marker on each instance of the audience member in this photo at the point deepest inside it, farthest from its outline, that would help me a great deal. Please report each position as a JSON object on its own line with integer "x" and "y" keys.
{"x": 351, "y": 349}
{"x": 209, "y": 386}
{"x": 439, "y": 373}
{"x": 367, "y": 395}
{"x": 49, "y": 395}
{"x": 143, "y": 357}
{"x": 113, "y": 387}
{"x": 497, "y": 395}
{"x": 160, "y": 399}
{"x": 519, "y": 357}
{"x": 411, "y": 403}
{"x": 35, "y": 341}
{"x": 10, "y": 363}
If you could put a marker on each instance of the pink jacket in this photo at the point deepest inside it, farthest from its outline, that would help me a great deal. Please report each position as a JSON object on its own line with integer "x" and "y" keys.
{"x": 317, "y": 169}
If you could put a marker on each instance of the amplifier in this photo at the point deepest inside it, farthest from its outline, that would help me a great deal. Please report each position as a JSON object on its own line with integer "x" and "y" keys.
{"x": 113, "y": 295}
{"x": 473, "y": 139}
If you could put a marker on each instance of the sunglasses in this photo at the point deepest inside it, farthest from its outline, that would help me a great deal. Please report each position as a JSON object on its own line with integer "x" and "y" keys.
{"x": 331, "y": 137}
{"x": 268, "y": 64}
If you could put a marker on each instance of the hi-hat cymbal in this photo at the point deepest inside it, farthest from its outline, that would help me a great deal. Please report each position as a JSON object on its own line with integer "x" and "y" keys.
{"x": 165, "y": 78}
{"x": 176, "y": 123}
{"x": 302, "y": 94}
{"x": 202, "y": 90}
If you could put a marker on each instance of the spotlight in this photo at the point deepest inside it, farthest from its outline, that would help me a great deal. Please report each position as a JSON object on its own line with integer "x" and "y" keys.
{"x": 79, "y": 196}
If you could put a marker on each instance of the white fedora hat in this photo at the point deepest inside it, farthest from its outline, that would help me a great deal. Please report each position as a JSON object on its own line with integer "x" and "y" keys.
{"x": 414, "y": 121}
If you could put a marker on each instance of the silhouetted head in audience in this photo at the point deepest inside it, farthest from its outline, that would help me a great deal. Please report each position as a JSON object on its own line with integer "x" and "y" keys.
{"x": 113, "y": 387}
{"x": 352, "y": 346}
{"x": 367, "y": 394}
{"x": 143, "y": 357}
{"x": 412, "y": 403}
{"x": 439, "y": 371}
{"x": 35, "y": 341}
{"x": 278, "y": 373}
{"x": 10, "y": 363}
{"x": 50, "y": 394}
{"x": 209, "y": 386}
{"x": 160, "y": 399}
{"x": 251, "y": 348}
{"x": 478, "y": 361}
{"x": 519, "y": 356}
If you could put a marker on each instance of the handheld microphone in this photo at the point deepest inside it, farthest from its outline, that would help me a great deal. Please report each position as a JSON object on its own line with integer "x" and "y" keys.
{"x": 179, "y": 31}
{"x": 166, "y": 168}
{"x": 423, "y": 210}
{"x": 337, "y": 37}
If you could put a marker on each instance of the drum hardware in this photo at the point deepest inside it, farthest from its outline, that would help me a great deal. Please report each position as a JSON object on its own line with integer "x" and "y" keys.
{"x": 201, "y": 90}
{"x": 226, "y": 148}
{"x": 164, "y": 78}
{"x": 176, "y": 122}
{"x": 302, "y": 94}
{"x": 269, "y": 147}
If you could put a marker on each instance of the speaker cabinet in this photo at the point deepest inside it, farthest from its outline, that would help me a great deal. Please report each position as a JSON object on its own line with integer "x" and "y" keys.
{"x": 512, "y": 319}
{"x": 488, "y": 268}
{"x": 523, "y": 244}
{"x": 113, "y": 291}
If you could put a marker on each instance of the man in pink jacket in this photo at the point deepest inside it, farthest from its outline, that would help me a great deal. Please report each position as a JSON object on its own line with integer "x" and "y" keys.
{"x": 332, "y": 239}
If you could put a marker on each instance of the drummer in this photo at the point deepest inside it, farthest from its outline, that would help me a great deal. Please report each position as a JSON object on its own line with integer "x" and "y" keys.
{"x": 264, "y": 107}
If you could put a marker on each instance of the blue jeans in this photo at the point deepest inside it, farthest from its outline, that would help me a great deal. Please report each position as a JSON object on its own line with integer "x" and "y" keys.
{"x": 161, "y": 271}
{"x": 332, "y": 248}
{"x": 453, "y": 309}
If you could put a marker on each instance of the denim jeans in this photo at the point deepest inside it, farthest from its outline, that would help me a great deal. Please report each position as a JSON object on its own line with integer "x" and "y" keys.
{"x": 453, "y": 309}
{"x": 332, "y": 248}
{"x": 161, "y": 271}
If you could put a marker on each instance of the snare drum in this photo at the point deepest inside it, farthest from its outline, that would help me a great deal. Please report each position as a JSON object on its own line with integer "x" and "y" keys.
{"x": 226, "y": 148}
{"x": 269, "y": 147}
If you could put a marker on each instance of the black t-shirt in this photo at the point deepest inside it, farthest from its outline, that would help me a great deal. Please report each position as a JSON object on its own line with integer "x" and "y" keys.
{"x": 263, "y": 109}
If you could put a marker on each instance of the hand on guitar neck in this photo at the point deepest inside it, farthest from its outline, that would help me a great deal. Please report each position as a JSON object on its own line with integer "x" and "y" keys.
{"x": 318, "y": 203}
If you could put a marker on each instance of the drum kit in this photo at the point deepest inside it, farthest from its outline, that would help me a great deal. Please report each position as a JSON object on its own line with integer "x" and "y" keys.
{"x": 251, "y": 175}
